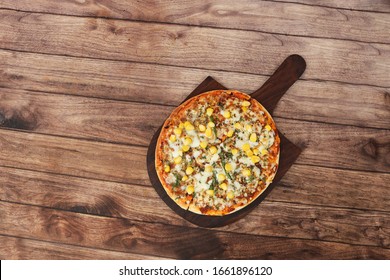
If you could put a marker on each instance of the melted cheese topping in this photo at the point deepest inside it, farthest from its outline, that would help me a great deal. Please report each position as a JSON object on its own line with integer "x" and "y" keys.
{"x": 220, "y": 153}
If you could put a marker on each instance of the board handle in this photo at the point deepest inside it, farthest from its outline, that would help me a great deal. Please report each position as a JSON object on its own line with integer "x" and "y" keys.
{"x": 280, "y": 81}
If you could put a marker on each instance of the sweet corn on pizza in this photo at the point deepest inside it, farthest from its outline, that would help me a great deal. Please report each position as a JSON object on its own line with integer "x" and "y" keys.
{"x": 217, "y": 152}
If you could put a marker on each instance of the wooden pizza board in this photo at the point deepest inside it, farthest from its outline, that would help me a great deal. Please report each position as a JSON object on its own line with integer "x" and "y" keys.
{"x": 268, "y": 95}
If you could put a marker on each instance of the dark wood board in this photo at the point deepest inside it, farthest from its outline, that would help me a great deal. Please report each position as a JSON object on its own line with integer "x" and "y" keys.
{"x": 268, "y": 95}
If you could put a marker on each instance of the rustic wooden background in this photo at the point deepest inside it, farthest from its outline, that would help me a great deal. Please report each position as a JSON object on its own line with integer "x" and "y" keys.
{"x": 85, "y": 83}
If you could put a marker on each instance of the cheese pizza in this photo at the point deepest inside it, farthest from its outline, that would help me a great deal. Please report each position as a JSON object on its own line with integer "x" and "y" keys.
{"x": 217, "y": 152}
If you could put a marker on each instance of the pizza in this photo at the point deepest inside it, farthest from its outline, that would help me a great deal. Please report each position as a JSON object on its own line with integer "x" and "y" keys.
{"x": 217, "y": 152}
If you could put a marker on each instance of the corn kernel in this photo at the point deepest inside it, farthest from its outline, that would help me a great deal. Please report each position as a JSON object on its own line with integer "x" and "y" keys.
{"x": 253, "y": 137}
{"x": 244, "y": 109}
{"x": 237, "y": 126}
{"x": 185, "y": 148}
{"x": 246, "y": 172}
{"x": 187, "y": 141}
{"x": 268, "y": 127}
{"x": 209, "y": 132}
{"x": 210, "y": 192}
{"x": 167, "y": 168}
{"x": 209, "y": 168}
{"x": 256, "y": 151}
{"x": 228, "y": 167}
{"x": 255, "y": 159}
{"x": 245, "y": 103}
{"x": 189, "y": 170}
{"x": 181, "y": 125}
{"x": 213, "y": 150}
{"x": 234, "y": 151}
{"x": 177, "y": 131}
{"x": 230, "y": 133}
{"x": 203, "y": 144}
{"x": 177, "y": 160}
{"x": 223, "y": 186}
{"x": 185, "y": 178}
{"x": 209, "y": 111}
{"x": 264, "y": 152}
{"x": 172, "y": 138}
{"x": 190, "y": 189}
{"x": 221, "y": 177}
{"x": 246, "y": 147}
{"x": 202, "y": 128}
{"x": 211, "y": 124}
{"x": 249, "y": 153}
{"x": 248, "y": 127}
{"x": 230, "y": 195}
{"x": 188, "y": 126}
{"x": 226, "y": 114}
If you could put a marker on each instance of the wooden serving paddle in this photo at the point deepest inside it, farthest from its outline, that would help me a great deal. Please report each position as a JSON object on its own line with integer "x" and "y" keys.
{"x": 268, "y": 95}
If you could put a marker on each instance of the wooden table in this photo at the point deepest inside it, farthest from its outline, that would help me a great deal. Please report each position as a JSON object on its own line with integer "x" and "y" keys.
{"x": 85, "y": 84}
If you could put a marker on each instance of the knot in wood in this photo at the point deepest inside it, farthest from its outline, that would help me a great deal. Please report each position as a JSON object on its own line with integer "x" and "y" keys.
{"x": 371, "y": 148}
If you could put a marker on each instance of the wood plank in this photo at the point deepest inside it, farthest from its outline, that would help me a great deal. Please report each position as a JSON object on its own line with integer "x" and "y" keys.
{"x": 166, "y": 240}
{"x": 105, "y": 120}
{"x": 76, "y": 157}
{"x": 16, "y": 248}
{"x": 274, "y": 17}
{"x": 339, "y": 146}
{"x": 302, "y": 184}
{"x": 364, "y": 5}
{"x": 334, "y": 187}
{"x": 271, "y": 218}
{"x": 329, "y": 145}
{"x": 124, "y": 122}
{"x": 208, "y": 48}
{"x": 307, "y": 100}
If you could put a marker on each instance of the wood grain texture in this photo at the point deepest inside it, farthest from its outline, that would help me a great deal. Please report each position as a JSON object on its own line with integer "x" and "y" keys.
{"x": 306, "y": 100}
{"x": 282, "y": 18}
{"x": 89, "y": 118}
{"x": 166, "y": 240}
{"x": 90, "y": 194}
{"x": 365, "y": 5}
{"x": 350, "y": 147}
{"x": 199, "y": 47}
{"x": 16, "y": 248}
{"x": 302, "y": 184}
{"x": 74, "y": 157}
{"x": 271, "y": 218}
{"x": 334, "y": 187}
{"x": 360, "y": 149}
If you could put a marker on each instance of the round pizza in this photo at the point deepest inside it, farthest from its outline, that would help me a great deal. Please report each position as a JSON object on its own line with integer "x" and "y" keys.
{"x": 217, "y": 152}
